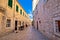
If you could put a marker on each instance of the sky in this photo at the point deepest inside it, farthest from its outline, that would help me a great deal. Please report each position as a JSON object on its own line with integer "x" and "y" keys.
{"x": 27, "y": 6}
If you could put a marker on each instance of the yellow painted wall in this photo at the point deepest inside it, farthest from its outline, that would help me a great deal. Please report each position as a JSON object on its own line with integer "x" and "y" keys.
{"x": 7, "y": 12}
{"x": 20, "y": 16}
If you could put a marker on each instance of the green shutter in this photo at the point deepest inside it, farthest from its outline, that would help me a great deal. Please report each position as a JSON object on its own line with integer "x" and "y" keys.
{"x": 23, "y": 13}
{"x": 17, "y": 8}
{"x": 20, "y": 11}
{"x": 10, "y": 2}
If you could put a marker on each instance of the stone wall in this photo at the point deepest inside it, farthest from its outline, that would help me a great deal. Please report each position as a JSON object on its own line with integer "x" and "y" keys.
{"x": 46, "y": 13}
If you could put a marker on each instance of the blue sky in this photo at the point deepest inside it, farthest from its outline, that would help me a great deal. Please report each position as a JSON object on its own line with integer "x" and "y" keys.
{"x": 27, "y": 6}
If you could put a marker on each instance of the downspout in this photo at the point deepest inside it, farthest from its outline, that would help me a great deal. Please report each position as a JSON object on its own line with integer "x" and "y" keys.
{"x": 14, "y": 14}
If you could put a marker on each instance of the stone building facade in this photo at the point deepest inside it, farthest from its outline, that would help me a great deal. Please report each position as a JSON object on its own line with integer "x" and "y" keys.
{"x": 47, "y": 18}
{"x": 12, "y": 16}
{"x": 34, "y": 3}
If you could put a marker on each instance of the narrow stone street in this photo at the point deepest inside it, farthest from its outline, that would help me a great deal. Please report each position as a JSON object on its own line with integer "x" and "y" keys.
{"x": 27, "y": 34}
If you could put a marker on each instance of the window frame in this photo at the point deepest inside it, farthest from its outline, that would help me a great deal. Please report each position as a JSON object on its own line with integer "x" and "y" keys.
{"x": 23, "y": 13}
{"x": 17, "y": 8}
{"x": 20, "y": 11}
{"x": 10, "y": 3}
{"x": 55, "y": 26}
{"x": 8, "y": 23}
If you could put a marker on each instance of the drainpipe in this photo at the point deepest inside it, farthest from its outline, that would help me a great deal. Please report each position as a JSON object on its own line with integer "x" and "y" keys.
{"x": 14, "y": 14}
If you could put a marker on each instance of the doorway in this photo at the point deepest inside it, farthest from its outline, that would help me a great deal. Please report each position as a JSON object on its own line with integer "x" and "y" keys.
{"x": 37, "y": 25}
{"x": 15, "y": 25}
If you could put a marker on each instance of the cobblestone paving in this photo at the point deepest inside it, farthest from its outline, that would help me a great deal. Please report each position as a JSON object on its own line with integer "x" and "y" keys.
{"x": 27, "y": 34}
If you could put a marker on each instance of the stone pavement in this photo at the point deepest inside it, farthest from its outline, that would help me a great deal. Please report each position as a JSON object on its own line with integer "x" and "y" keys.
{"x": 27, "y": 34}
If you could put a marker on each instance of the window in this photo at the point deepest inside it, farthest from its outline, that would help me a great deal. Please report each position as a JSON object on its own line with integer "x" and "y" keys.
{"x": 36, "y": 6}
{"x": 10, "y": 3}
{"x": 8, "y": 23}
{"x": 20, "y": 11}
{"x": 45, "y": 1}
{"x": 17, "y": 8}
{"x": 23, "y": 13}
{"x": 57, "y": 24}
{"x": 22, "y": 23}
{"x": 40, "y": 21}
{"x": 19, "y": 22}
